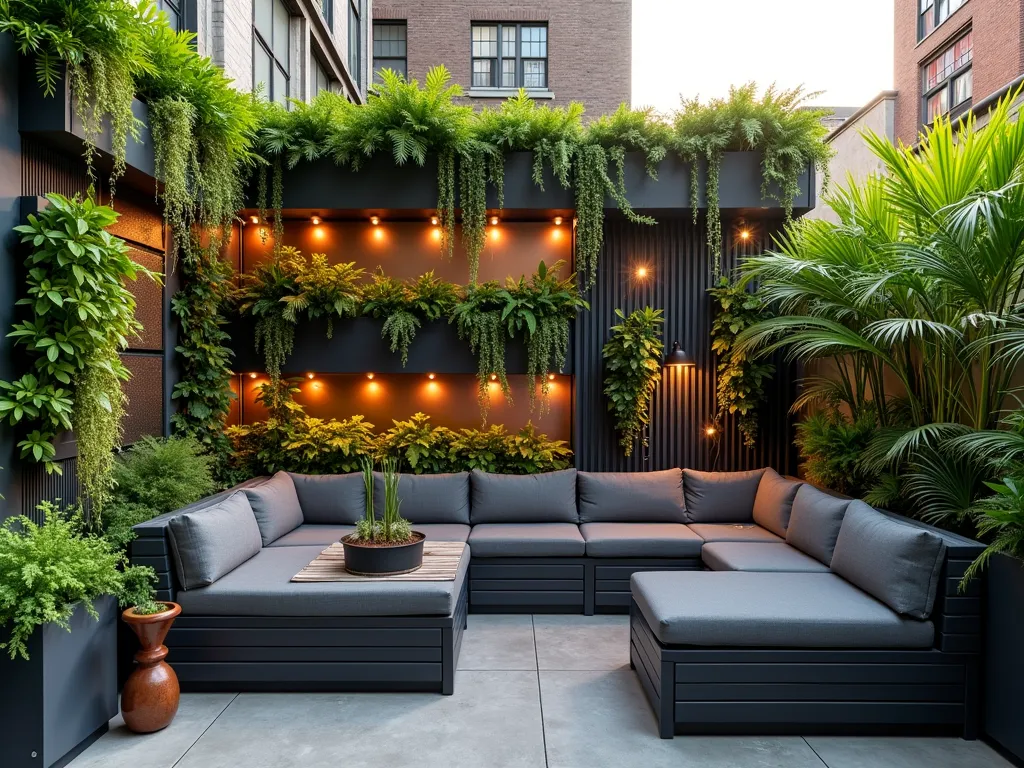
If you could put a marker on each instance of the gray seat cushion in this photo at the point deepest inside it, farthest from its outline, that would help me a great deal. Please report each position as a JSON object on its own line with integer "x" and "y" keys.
{"x": 815, "y": 522}
{"x": 325, "y": 535}
{"x": 621, "y": 497}
{"x": 276, "y": 506}
{"x": 758, "y": 556}
{"x": 331, "y": 499}
{"x": 774, "y": 501}
{"x": 770, "y": 610}
{"x": 734, "y": 532}
{"x": 526, "y": 540}
{"x": 210, "y": 542}
{"x": 897, "y": 563}
{"x": 263, "y": 587}
{"x": 640, "y": 540}
{"x": 442, "y": 498}
{"x": 548, "y": 497}
{"x": 720, "y": 497}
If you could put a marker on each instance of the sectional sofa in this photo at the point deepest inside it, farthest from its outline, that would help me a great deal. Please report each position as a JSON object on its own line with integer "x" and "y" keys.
{"x": 757, "y": 602}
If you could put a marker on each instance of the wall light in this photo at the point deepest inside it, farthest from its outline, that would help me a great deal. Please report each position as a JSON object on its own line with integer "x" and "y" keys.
{"x": 370, "y": 376}
{"x": 494, "y": 221}
{"x": 641, "y": 273}
{"x": 254, "y": 219}
{"x": 558, "y": 221}
{"x": 252, "y": 375}
{"x": 677, "y": 358}
{"x": 433, "y": 221}
{"x": 494, "y": 377}
{"x": 551, "y": 377}
{"x": 710, "y": 430}
{"x": 431, "y": 376}
{"x": 316, "y": 220}
{"x": 310, "y": 376}
{"x": 744, "y": 234}
{"x": 375, "y": 220}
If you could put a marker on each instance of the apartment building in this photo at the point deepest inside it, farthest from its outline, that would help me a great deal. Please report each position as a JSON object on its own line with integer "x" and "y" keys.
{"x": 952, "y": 56}
{"x": 286, "y": 48}
{"x": 575, "y": 50}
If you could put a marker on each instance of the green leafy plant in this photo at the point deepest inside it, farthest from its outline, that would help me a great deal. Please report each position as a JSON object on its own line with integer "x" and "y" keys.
{"x": 318, "y": 446}
{"x": 263, "y": 293}
{"x": 418, "y": 445}
{"x": 47, "y": 570}
{"x": 633, "y": 130}
{"x": 742, "y": 376}
{"x": 479, "y": 319}
{"x": 633, "y": 357}
{"x": 390, "y": 298}
{"x": 81, "y": 317}
{"x": 832, "y": 446}
{"x": 321, "y": 289}
{"x": 391, "y": 528}
{"x": 1000, "y": 520}
{"x": 527, "y": 452}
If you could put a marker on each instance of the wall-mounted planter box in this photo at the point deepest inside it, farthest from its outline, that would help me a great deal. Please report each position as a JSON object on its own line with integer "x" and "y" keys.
{"x": 357, "y": 347}
{"x": 59, "y": 701}
{"x": 55, "y": 119}
{"x": 381, "y": 186}
{"x": 1004, "y": 664}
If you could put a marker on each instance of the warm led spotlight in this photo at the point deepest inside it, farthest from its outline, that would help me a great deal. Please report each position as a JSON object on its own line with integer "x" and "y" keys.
{"x": 641, "y": 272}
{"x": 494, "y": 377}
{"x": 434, "y": 221}
{"x": 710, "y": 431}
{"x": 252, "y": 375}
{"x": 254, "y": 219}
{"x": 744, "y": 234}
{"x": 431, "y": 376}
{"x": 310, "y": 376}
{"x": 370, "y": 376}
{"x": 551, "y": 377}
{"x": 494, "y": 221}
{"x": 315, "y": 220}
{"x": 558, "y": 221}
{"x": 375, "y": 220}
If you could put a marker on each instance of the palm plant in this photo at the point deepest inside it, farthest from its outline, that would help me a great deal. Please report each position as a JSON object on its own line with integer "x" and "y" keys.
{"x": 915, "y": 299}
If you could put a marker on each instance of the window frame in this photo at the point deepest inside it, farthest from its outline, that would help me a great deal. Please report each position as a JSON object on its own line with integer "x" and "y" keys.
{"x": 177, "y": 7}
{"x": 401, "y": 23}
{"x": 268, "y": 49}
{"x": 933, "y": 11}
{"x": 497, "y": 80}
{"x": 948, "y": 82}
{"x": 327, "y": 12}
{"x": 355, "y": 65}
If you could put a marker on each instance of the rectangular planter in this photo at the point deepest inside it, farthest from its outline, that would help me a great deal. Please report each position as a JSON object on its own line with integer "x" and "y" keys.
{"x": 1004, "y": 664}
{"x": 59, "y": 701}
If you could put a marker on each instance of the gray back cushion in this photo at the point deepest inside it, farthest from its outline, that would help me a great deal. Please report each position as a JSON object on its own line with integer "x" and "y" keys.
{"x": 211, "y": 542}
{"x": 720, "y": 497}
{"x": 276, "y": 506}
{"x": 774, "y": 501}
{"x": 631, "y": 497}
{"x": 815, "y": 522}
{"x": 549, "y": 497}
{"x": 442, "y": 498}
{"x": 331, "y": 499}
{"x": 893, "y": 562}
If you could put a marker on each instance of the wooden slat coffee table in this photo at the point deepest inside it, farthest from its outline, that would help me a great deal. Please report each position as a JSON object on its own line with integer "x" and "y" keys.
{"x": 440, "y": 563}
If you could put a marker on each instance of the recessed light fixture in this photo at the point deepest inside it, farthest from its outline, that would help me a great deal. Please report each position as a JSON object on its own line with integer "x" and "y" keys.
{"x": 558, "y": 221}
{"x": 311, "y": 376}
{"x": 431, "y": 376}
{"x": 252, "y": 375}
{"x": 254, "y": 219}
{"x": 316, "y": 220}
{"x": 370, "y": 376}
{"x": 494, "y": 377}
{"x": 551, "y": 377}
{"x": 433, "y": 221}
{"x": 375, "y": 220}
{"x": 494, "y": 221}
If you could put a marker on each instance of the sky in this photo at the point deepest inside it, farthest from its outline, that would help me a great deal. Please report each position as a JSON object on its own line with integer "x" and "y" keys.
{"x": 698, "y": 48}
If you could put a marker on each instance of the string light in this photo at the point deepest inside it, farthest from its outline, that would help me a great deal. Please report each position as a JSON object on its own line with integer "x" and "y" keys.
{"x": 375, "y": 220}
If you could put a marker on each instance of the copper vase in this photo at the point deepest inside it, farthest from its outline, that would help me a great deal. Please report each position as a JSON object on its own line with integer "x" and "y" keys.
{"x": 150, "y": 697}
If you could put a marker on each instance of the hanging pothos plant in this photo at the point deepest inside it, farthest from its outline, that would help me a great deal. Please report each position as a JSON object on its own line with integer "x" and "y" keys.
{"x": 633, "y": 360}
{"x": 741, "y": 377}
{"x": 81, "y": 318}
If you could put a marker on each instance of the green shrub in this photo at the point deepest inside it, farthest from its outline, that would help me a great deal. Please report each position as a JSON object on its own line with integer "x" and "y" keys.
{"x": 832, "y": 448}
{"x": 46, "y": 570}
{"x": 632, "y": 360}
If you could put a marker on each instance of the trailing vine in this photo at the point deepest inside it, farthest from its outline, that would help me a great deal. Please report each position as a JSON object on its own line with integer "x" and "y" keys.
{"x": 741, "y": 377}
{"x": 389, "y": 298}
{"x": 321, "y": 289}
{"x": 176, "y": 161}
{"x": 479, "y": 320}
{"x": 473, "y": 199}
{"x": 262, "y": 296}
{"x": 633, "y": 358}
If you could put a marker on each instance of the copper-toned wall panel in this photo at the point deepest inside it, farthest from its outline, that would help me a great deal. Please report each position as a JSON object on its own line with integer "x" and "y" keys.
{"x": 408, "y": 249}
{"x": 450, "y": 400}
{"x": 145, "y": 390}
{"x": 149, "y": 302}
{"x": 140, "y": 220}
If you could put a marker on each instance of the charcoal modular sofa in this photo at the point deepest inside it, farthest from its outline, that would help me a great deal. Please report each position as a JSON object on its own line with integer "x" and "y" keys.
{"x": 828, "y": 616}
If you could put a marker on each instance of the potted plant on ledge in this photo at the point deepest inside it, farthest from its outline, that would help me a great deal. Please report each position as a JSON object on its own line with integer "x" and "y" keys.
{"x": 387, "y": 546}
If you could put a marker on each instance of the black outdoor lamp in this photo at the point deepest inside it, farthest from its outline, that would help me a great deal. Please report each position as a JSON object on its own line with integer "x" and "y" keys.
{"x": 678, "y": 358}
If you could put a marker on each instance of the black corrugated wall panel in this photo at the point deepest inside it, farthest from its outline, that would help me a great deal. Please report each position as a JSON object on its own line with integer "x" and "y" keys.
{"x": 675, "y": 255}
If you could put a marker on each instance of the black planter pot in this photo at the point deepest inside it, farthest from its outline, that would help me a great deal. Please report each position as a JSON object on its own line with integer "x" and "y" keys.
{"x": 1004, "y": 664}
{"x": 364, "y": 560}
{"x": 58, "y": 702}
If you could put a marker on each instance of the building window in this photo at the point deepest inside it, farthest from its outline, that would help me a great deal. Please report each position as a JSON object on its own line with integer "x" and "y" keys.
{"x": 327, "y": 11}
{"x": 931, "y": 13}
{"x": 173, "y": 10}
{"x": 520, "y": 60}
{"x": 354, "y": 40}
{"x": 390, "y": 48}
{"x": 271, "y": 51}
{"x": 322, "y": 80}
{"x": 948, "y": 82}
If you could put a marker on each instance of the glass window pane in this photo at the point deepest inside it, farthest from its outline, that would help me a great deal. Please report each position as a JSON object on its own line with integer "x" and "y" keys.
{"x": 535, "y": 73}
{"x": 280, "y": 86}
{"x": 535, "y": 42}
{"x": 397, "y": 65}
{"x": 485, "y": 41}
{"x": 482, "y": 73}
{"x": 963, "y": 87}
{"x": 281, "y": 43}
{"x": 926, "y": 4}
{"x": 261, "y": 66}
{"x": 389, "y": 39}
{"x": 927, "y": 23}
{"x": 943, "y": 10}
{"x": 353, "y": 43}
{"x": 938, "y": 104}
{"x": 264, "y": 18}
{"x": 508, "y": 73}
{"x": 508, "y": 41}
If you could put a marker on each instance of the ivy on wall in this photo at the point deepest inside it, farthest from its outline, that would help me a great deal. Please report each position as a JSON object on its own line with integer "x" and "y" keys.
{"x": 632, "y": 361}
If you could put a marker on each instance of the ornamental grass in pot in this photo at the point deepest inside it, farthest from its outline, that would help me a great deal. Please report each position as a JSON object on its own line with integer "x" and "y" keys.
{"x": 386, "y": 546}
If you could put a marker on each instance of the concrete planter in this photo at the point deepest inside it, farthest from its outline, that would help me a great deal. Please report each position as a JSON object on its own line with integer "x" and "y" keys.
{"x": 1004, "y": 663}
{"x": 59, "y": 701}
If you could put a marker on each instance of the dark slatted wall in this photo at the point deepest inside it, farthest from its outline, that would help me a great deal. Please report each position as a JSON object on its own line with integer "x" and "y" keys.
{"x": 675, "y": 255}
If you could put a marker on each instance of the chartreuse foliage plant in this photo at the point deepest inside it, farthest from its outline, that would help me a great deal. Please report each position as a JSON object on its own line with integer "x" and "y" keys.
{"x": 47, "y": 570}
{"x": 632, "y": 362}
{"x": 82, "y": 316}
{"x": 742, "y": 375}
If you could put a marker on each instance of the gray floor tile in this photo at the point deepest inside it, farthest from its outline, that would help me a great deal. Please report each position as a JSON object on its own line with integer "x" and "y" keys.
{"x": 603, "y": 720}
{"x": 582, "y": 642}
{"x": 904, "y": 752}
{"x": 495, "y": 642}
{"x": 492, "y": 720}
{"x": 120, "y": 748}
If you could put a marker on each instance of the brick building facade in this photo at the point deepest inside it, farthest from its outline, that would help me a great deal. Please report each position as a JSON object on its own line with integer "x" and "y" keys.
{"x": 576, "y": 50}
{"x": 950, "y": 55}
